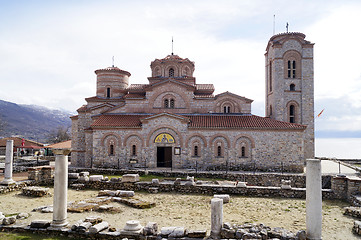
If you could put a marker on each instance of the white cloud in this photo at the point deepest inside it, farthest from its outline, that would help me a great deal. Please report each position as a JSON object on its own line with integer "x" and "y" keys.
{"x": 48, "y": 52}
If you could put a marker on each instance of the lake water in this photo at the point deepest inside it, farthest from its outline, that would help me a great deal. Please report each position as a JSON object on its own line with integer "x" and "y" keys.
{"x": 343, "y": 148}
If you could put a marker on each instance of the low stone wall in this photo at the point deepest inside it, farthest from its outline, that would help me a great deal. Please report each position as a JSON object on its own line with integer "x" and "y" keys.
{"x": 253, "y": 179}
{"x": 43, "y": 174}
{"x": 254, "y": 191}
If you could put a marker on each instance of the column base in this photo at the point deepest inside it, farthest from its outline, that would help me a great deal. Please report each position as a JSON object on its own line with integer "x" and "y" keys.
{"x": 7, "y": 182}
{"x": 58, "y": 223}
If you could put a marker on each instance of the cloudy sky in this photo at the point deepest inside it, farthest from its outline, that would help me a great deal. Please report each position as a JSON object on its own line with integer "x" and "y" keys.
{"x": 50, "y": 49}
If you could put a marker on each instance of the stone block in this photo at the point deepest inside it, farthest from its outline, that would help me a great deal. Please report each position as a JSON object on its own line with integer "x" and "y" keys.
{"x": 73, "y": 175}
{"x": 83, "y": 179}
{"x": 95, "y": 178}
{"x": 75, "y": 226}
{"x": 225, "y": 197}
{"x": 9, "y": 220}
{"x": 150, "y": 229}
{"x": 176, "y": 232}
{"x": 197, "y": 233}
{"x": 40, "y": 224}
{"x": 83, "y": 174}
{"x": 123, "y": 193}
{"x": 155, "y": 181}
{"x": 99, "y": 227}
{"x": 285, "y": 184}
{"x": 131, "y": 178}
{"x": 242, "y": 184}
{"x": 83, "y": 227}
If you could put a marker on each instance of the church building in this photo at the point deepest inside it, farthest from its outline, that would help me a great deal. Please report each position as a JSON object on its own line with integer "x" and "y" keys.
{"x": 174, "y": 122}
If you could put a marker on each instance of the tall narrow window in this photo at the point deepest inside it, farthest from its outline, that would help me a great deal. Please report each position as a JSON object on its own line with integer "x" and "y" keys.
{"x": 171, "y": 72}
{"x": 270, "y": 110}
{"x": 292, "y": 114}
{"x": 172, "y": 103}
{"x": 270, "y": 76}
{"x": 134, "y": 150}
{"x": 108, "y": 92}
{"x": 219, "y": 151}
{"x": 111, "y": 149}
{"x": 196, "y": 151}
{"x": 243, "y": 151}
{"x": 292, "y": 87}
{"x": 166, "y": 103}
{"x": 291, "y": 69}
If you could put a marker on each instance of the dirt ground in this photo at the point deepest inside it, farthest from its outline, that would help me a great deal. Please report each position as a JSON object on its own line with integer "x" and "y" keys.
{"x": 193, "y": 211}
{"x": 16, "y": 176}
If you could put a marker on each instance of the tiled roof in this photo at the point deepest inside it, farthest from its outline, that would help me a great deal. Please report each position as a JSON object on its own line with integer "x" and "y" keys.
{"x": 201, "y": 87}
{"x": 129, "y": 121}
{"x": 239, "y": 121}
{"x": 203, "y": 95}
{"x": 82, "y": 108}
{"x": 65, "y": 144}
{"x": 210, "y": 121}
{"x": 112, "y": 69}
{"x": 137, "y": 87}
{"x": 18, "y": 141}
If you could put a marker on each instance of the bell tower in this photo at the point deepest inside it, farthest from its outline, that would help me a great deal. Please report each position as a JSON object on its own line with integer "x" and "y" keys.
{"x": 290, "y": 83}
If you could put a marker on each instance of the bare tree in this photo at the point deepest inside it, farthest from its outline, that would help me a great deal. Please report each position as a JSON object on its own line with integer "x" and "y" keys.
{"x": 60, "y": 134}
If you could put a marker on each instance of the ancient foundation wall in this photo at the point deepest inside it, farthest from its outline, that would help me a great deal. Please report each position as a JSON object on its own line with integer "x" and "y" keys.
{"x": 252, "y": 179}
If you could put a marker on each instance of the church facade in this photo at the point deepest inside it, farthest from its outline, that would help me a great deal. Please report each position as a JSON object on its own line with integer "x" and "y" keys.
{"x": 173, "y": 122}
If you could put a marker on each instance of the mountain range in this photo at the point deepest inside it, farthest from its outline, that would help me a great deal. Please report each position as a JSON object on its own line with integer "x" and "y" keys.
{"x": 31, "y": 121}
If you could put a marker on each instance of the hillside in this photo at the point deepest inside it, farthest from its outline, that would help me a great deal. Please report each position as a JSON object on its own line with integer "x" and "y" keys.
{"x": 30, "y": 121}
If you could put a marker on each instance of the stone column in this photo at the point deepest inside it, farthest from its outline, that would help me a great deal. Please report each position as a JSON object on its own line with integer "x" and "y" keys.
{"x": 8, "y": 176}
{"x": 313, "y": 199}
{"x": 216, "y": 217}
{"x": 60, "y": 188}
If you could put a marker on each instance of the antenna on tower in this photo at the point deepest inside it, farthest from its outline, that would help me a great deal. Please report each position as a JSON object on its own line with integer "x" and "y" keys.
{"x": 172, "y": 45}
{"x": 113, "y": 61}
{"x": 287, "y": 27}
{"x": 274, "y": 23}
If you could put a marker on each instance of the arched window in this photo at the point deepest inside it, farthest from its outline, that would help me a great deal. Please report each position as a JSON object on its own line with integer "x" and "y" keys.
{"x": 166, "y": 103}
{"x": 270, "y": 76}
{"x": 172, "y": 103}
{"x": 292, "y": 114}
{"x": 292, "y": 87}
{"x": 291, "y": 69}
{"x": 226, "y": 109}
{"x": 134, "y": 150}
{"x": 195, "y": 152}
{"x": 111, "y": 149}
{"x": 219, "y": 151}
{"x": 108, "y": 92}
{"x": 171, "y": 72}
